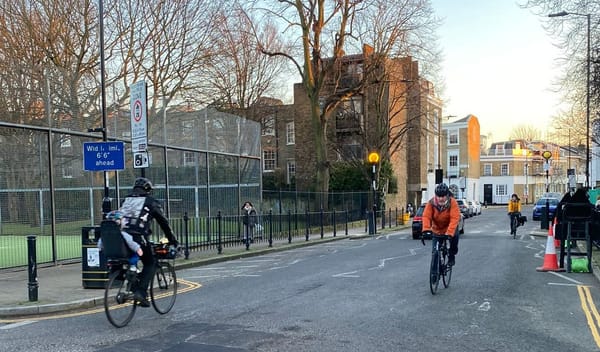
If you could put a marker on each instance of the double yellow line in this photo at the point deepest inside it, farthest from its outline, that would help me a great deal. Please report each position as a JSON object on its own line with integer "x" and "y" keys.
{"x": 183, "y": 287}
{"x": 591, "y": 313}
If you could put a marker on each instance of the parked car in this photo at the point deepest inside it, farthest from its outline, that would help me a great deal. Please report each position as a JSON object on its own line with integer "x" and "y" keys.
{"x": 473, "y": 207}
{"x": 464, "y": 208}
{"x": 417, "y": 223}
{"x": 540, "y": 205}
{"x": 478, "y": 207}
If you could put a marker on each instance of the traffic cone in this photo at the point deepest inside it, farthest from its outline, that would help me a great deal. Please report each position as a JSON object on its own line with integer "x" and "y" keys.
{"x": 556, "y": 241}
{"x": 550, "y": 260}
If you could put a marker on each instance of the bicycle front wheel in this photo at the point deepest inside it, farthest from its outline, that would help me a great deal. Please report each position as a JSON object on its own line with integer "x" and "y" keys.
{"x": 434, "y": 272}
{"x": 163, "y": 289}
{"x": 446, "y": 270}
{"x": 118, "y": 299}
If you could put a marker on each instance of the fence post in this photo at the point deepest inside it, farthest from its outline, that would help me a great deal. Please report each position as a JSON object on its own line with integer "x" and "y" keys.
{"x": 396, "y": 216}
{"x": 220, "y": 239}
{"x": 289, "y": 226}
{"x": 32, "y": 285}
{"x": 346, "y": 221}
{"x": 366, "y": 220}
{"x": 390, "y": 219}
{"x": 307, "y": 224}
{"x": 271, "y": 227}
{"x": 382, "y": 218}
{"x": 334, "y": 227}
{"x": 322, "y": 222}
{"x": 186, "y": 252}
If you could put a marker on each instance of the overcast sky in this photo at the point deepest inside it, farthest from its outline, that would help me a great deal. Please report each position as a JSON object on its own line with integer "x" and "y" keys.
{"x": 499, "y": 65}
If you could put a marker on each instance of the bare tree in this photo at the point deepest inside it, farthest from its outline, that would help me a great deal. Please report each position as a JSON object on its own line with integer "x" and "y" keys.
{"x": 526, "y": 132}
{"x": 325, "y": 32}
{"x": 238, "y": 73}
{"x": 571, "y": 34}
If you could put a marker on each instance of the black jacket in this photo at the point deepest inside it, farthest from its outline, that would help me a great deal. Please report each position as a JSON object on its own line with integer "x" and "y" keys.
{"x": 139, "y": 209}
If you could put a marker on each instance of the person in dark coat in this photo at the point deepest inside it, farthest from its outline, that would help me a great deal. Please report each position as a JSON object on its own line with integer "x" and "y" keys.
{"x": 249, "y": 221}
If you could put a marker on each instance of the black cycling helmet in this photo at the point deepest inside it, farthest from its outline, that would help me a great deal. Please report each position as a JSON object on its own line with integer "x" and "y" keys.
{"x": 143, "y": 183}
{"x": 441, "y": 190}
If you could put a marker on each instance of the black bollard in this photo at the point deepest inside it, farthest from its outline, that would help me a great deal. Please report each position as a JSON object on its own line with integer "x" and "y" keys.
{"x": 32, "y": 269}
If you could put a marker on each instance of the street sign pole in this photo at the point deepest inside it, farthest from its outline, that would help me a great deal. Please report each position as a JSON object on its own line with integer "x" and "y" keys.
{"x": 139, "y": 126}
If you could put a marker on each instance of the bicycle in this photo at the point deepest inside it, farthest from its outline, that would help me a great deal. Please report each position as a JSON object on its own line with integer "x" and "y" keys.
{"x": 119, "y": 304}
{"x": 439, "y": 267}
{"x": 514, "y": 223}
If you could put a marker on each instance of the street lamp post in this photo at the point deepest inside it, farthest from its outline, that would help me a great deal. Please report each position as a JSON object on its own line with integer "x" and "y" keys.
{"x": 587, "y": 108}
{"x": 374, "y": 160}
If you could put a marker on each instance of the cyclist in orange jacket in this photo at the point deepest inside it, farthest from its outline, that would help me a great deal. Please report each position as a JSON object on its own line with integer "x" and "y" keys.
{"x": 441, "y": 216}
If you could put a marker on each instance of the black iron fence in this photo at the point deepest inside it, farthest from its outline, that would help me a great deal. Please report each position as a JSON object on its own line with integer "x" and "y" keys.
{"x": 212, "y": 233}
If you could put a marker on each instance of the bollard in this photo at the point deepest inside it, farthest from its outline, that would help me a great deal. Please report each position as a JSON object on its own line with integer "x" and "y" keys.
{"x": 32, "y": 285}
{"x": 186, "y": 219}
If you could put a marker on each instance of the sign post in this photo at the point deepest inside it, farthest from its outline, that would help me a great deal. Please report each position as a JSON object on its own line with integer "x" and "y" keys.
{"x": 373, "y": 160}
{"x": 546, "y": 213}
{"x": 139, "y": 125}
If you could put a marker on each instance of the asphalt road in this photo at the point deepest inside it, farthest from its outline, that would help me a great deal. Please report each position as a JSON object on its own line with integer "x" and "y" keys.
{"x": 355, "y": 295}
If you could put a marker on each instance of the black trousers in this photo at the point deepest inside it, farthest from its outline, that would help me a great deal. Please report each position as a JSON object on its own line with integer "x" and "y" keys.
{"x": 453, "y": 243}
{"x": 148, "y": 270}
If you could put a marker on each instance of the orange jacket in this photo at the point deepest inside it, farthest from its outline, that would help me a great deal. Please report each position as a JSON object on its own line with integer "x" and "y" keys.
{"x": 441, "y": 222}
{"x": 514, "y": 206}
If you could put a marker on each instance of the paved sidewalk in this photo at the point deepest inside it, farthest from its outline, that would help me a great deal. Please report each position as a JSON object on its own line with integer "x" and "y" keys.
{"x": 60, "y": 287}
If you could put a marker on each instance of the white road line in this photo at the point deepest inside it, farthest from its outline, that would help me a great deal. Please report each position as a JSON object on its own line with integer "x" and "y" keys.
{"x": 566, "y": 277}
{"x": 16, "y": 325}
{"x": 348, "y": 274}
{"x": 563, "y": 284}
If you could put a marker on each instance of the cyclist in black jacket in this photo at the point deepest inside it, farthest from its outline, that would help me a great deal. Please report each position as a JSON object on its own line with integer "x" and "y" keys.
{"x": 139, "y": 209}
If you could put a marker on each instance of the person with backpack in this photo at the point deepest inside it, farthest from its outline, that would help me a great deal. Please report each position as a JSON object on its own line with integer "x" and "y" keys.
{"x": 140, "y": 208}
{"x": 441, "y": 216}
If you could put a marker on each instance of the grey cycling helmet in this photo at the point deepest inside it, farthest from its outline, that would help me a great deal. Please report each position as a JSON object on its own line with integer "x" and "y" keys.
{"x": 143, "y": 183}
{"x": 442, "y": 190}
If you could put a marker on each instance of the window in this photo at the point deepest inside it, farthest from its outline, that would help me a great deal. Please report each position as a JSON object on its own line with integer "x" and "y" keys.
{"x": 269, "y": 160}
{"x": 453, "y": 162}
{"x": 268, "y": 125}
{"x": 487, "y": 170}
{"x": 291, "y": 170}
{"x": 504, "y": 170}
{"x": 187, "y": 128}
{"x": 65, "y": 141}
{"x": 499, "y": 149}
{"x": 189, "y": 159}
{"x": 501, "y": 190}
{"x": 452, "y": 137}
{"x": 67, "y": 171}
{"x": 290, "y": 133}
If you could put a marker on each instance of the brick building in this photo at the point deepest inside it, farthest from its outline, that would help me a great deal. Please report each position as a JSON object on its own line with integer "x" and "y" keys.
{"x": 398, "y": 117}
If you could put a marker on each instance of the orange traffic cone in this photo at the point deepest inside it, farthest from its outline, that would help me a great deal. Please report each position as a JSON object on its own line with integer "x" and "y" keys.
{"x": 550, "y": 260}
{"x": 556, "y": 241}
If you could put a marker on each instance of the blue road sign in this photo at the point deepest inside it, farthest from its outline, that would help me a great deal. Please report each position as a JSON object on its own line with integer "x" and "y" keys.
{"x": 103, "y": 156}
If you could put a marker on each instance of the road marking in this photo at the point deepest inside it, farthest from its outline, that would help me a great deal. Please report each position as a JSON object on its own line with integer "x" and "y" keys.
{"x": 348, "y": 274}
{"x": 16, "y": 325}
{"x": 591, "y": 313}
{"x": 189, "y": 287}
{"x": 485, "y": 306}
{"x": 566, "y": 278}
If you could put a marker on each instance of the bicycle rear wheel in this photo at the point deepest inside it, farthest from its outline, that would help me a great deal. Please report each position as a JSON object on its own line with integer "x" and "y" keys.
{"x": 445, "y": 269}
{"x": 118, "y": 299}
{"x": 434, "y": 272}
{"x": 163, "y": 289}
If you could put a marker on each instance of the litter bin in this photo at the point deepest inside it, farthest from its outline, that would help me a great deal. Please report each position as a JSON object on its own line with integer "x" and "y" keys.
{"x": 405, "y": 218}
{"x": 94, "y": 273}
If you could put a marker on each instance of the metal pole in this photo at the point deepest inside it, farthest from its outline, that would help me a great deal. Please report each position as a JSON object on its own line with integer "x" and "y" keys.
{"x": 106, "y": 206}
{"x": 587, "y": 155}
